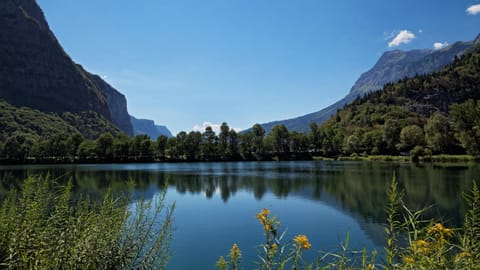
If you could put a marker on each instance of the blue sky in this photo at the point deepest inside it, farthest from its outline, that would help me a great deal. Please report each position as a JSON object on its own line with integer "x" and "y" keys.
{"x": 183, "y": 63}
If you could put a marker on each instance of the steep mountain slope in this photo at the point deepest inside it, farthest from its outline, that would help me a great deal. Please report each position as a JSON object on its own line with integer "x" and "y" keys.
{"x": 117, "y": 104}
{"x": 36, "y": 72}
{"x": 148, "y": 127}
{"x": 436, "y": 110}
{"x": 391, "y": 67}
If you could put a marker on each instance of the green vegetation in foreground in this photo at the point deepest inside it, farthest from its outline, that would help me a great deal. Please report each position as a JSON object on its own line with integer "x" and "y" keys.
{"x": 42, "y": 227}
{"x": 412, "y": 243}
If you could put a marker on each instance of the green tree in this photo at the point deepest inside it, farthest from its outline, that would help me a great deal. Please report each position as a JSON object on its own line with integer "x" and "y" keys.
{"x": 223, "y": 138}
{"x": 315, "y": 137}
{"x": 279, "y": 137}
{"x": 298, "y": 142}
{"x": 391, "y": 135}
{"x": 439, "y": 134}
{"x": 411, "y": 136}
{"x": 160, "y": 146}
{"x": 104, "y": 146}
{"x": 182, "y": 146}
{"x": 192, "y": 145}
{"x": 246, "y": 145}
{"x": 141, "y": 148}
{"x": 233, "y": 143}
{"x": 466, "y": 122}
{"x": 121, "y": 148}
{"x": 86, "y": 150}
{"x": 209, "y": 143}
{"x": 171, "y": 149}
{"x": 352, "y": 144}
{"x": 258, "y": 135}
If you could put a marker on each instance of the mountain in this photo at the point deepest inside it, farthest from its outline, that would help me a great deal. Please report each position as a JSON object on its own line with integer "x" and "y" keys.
{"x": 439, "y": 111}
{"x": 148, "y": 127}
{"x": 391, "y": 67}
{"x": 36, "y": 72}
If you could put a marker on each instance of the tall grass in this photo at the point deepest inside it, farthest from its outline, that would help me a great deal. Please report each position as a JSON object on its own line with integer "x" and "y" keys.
{"x": 412, "y": 242}
{"x": 43, "y": 227}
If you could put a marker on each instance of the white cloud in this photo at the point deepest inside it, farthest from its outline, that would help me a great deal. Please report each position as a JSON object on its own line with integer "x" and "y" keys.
{"x": 215, "y": 127}
{"x": 420, "y": 31}
{"x": 473, "y": 10}
{"x": 403, "y": 37}
{"x": 440, "y": 45}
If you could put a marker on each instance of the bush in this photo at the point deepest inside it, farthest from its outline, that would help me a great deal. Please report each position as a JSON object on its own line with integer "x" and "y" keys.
{"x": 43, "y": 228}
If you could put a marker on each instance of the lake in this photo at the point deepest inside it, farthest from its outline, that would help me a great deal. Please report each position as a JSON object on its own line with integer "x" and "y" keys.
{"x": 216, "y": 203}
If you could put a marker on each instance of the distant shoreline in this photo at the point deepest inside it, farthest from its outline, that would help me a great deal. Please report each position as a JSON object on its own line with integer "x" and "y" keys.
{"x": 370, "y": 158}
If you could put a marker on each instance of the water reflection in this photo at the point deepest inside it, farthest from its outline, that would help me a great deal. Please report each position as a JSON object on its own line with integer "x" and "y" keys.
{"x": 316, "y": 198}
{"x": 358, "y": 187}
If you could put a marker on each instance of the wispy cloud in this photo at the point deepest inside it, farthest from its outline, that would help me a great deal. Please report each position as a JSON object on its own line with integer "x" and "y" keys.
{"x": 403, "y": 37}
{"x": 439, "y": 45}
{"x": 215, "y": 127}
{"x": 473, "y": 10}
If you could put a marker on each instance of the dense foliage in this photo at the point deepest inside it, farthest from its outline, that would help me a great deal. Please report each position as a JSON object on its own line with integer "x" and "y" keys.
{"x": 43, "y": 227}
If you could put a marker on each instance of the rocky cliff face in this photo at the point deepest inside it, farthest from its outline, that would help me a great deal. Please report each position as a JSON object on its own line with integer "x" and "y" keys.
{"x": 36, "y": 72}
{"x": 117, "y": 104}
{"x": 148, "y": 127}
{"x": 391, "y": 67}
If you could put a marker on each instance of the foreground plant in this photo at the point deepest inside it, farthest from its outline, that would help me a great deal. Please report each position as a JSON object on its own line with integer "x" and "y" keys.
{"x": 411, "y": 242}
{"x": 43, "y": 228}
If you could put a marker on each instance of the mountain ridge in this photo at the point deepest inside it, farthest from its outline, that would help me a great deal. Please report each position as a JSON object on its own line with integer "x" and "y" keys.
{"x": 391, "y": 67}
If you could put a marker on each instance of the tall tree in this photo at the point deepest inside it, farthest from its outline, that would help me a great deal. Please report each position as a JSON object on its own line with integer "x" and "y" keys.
{"x": 258, "y": 134}
{"x": 209, "y": 143}
{"x": 223, "y": 140}
{"x": 439, "y": 134}
{"x": 280, "y": 139}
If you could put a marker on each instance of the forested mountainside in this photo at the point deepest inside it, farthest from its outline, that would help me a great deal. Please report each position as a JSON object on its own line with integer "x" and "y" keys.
{"x": 391, "y": 67}
{"x": 440, "y": 111}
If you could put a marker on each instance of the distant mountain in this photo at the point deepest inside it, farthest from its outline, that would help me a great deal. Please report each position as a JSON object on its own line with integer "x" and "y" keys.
{"x": 148, "y": 127}
{"x": 36, "y": 72}
{"x": 391, "y": 67}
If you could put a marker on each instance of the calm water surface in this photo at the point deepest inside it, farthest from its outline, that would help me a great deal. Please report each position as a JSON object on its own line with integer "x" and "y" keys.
{"x": 217, "y": 202}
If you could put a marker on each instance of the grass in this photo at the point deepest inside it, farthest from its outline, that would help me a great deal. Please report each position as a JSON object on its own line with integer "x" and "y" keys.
{"x": 412, "y": 242}
{"x": 43, "y": 227}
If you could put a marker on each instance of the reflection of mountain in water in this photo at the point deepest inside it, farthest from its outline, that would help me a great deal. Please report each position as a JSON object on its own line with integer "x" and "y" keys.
{"x": 355, "y": 188}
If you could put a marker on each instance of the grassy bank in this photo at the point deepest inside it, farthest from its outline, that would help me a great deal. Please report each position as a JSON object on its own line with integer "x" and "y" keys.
{"x": 386, "y": 158}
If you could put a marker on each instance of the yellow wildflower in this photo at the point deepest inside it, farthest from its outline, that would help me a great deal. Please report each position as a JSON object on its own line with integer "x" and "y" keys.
{"x": 235, "y": 252}
{"x": 408, "y": 260}
{"x": 370, "y": 266}
{"x": 421, "y": 246}
{"x": 302, "y": 241}
{"x": 439, "y": 230}
{"x": 262, "y": 216}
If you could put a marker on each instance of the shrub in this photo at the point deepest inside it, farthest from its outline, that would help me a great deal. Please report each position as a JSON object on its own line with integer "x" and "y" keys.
{"x": 43, "y": 228}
